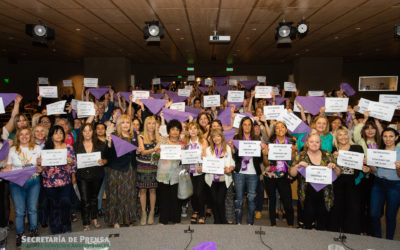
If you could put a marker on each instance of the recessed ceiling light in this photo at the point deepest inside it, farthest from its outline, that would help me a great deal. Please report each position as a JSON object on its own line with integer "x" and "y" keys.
{"x": 10, "y": 38}
{"x": 54, "y": 50}
{"x": 96, "y": 38}
{"x": 254, "y": 29}
{"x": 182, "y": 38}
{"x": 358, "y": 28}
{"x": 307, "y": 50}
{"x": 78, "y": 29}
{"x": 297, "y": 54}
{"x": 336, "y": 37}
{"x": 248, "y": 38}
{"x": 178, "y": 29}
{"x": 238, "y": 50}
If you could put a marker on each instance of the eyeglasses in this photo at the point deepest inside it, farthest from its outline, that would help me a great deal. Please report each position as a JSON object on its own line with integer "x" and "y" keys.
{"x": 45, "y": 121}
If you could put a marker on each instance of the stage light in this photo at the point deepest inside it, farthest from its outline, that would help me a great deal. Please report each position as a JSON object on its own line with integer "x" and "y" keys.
{"x": 152, "y": 32}
{"x": 397, "y": 31}
{"x": 40, "y": 33}
{"x": 302, "y": 28}
{"x": 285, "y": 32}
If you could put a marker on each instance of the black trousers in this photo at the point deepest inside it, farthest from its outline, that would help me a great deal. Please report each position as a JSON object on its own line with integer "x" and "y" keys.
{"x": 170, "y": 206}
{"x": 89, "y": 190}
{"x": 285, "y": 193}
{"x": 365, "y": 197}
{"x": 218, "y": 193}
{"x": 198, "y": 198}
{"x": 60, "y": 208}
{"x": 4, "y": 203}
{"x": 345, "y": 213}
{"x": 314, "y": 209}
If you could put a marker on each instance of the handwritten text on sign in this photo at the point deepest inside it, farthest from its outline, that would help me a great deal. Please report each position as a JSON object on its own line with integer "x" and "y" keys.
{"x": 350, "y": 159}
{"x": 381, "y": 158}
{"x": 170, "y": 152}
{"x": 249, "y": 148}
{"x": 319, "y": 174}
{"x": 280, "y": 152}
{"x": 213, "y": 165}
{"x": 54, "y": 157}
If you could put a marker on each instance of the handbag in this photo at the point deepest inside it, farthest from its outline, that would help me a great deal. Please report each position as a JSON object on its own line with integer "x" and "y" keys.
{"x": 185, "y": 186}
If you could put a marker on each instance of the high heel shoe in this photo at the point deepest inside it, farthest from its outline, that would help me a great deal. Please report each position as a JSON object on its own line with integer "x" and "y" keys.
{"x": 96, "y": 224}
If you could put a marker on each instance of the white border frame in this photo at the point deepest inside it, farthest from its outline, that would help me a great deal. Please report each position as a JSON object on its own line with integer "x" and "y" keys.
{"x": 375, "y": 90}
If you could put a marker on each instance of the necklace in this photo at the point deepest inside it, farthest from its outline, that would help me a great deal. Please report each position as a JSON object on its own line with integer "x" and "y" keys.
{"x": 177, "y": 140}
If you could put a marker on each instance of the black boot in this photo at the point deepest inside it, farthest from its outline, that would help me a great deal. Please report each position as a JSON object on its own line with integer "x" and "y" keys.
{"x": 34, "y": 233}
{"x": 18, "y": 240}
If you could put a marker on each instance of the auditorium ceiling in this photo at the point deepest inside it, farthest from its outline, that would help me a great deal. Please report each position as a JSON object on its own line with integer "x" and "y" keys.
{"x": 354, "y": 29}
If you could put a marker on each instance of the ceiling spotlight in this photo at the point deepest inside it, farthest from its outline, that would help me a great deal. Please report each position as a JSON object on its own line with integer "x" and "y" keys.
{"x": 40, "y": 33}
{"x": 152, "y": 32}
{"x": 285, "y": 33}
{"x": 397, "y": 31}
{"x": 302, "y": 28}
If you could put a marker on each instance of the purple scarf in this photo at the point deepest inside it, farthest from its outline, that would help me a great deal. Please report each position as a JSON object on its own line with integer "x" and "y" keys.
{"x": 281, "y": 166}
{"x": 218, "y": 154}
{"x": 369, "y": 145}
{"x": 245, "y": 159}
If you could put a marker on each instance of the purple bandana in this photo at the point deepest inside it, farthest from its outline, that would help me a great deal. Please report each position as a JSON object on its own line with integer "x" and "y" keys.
{"x": 218, "y": 154}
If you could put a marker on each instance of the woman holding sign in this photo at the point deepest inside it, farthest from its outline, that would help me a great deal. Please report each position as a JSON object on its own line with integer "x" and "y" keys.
{"x": 276, "y": 173}
{"x": 89, "y": 178}
{"x": 147, "y": 167}
{"x": 168, "y": 175}
{"x": 386, "y": 188}
{"x": 247, "y": 171}
{"x": 219, "y": 183}
{"x": 345, "y": 215}
{"x": 24, "y": 154}
{"x": 57, "y": 183}
{"x": 316, "y": 204}
{"x": 320, "y": 125}
{"x": 195, "y": 141}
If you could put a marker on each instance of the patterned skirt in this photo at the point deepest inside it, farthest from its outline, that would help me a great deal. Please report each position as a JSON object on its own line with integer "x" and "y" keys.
{"x": 146, "y": 176}
{"x": 120, "y": 205}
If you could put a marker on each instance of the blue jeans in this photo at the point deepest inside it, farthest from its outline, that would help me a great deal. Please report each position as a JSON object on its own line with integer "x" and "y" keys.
{"x": 384, "y": 191}
{"x": 260, "y": 196}
{"x": 26, "y": 195}
{"x": 60, "y": 208}
{"x": 241, "y": 181}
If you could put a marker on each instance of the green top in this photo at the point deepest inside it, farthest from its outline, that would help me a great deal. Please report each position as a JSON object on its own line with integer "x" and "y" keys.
{"x": 326, "y": 141}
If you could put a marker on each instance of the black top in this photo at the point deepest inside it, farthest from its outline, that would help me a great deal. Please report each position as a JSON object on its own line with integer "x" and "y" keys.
{"x": 91, "y": 173}
{"x": 238, "y": 159}
{"x": 123, "y": 162}
{"x": 345, "y": 170}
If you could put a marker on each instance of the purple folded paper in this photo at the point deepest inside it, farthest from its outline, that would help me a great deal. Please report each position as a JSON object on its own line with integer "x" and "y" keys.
{"x": 225, "y": 116}
{"x": 203, "y": 89}
{"x": 302, "y": 128}
{"x": 157, "y": 96}
{"x": 316, "y": 186}
{"x": 170, "y": 114}
{"x": 223, "y": 90}
{"x": 4, "y": 150}
{"x": 220, "y": 80}
{"x": 98, "y": 92}
{"x": 347, "y": 89}
{"x": 154, "y": 105}
{"x": 247, "y": 114}
{"x": 8, "y": 98}
{"x": 202, "y": 82}
{"x": 192, "y": 110}
{"x": 207, "y": 245}
{"x": 121, "y": 146}
{"x": 279, "y": 100}
{"x": 229, "y": 134}
{"x": 236, "y": 143}
{"x": 237, "y": 104}
{"x": 125, "y": 94}
{"x": 311, "y": 103}
{"x": 19, "y": 176}
{"x": 249, "y": 84}
{"x": 165, "y": 84}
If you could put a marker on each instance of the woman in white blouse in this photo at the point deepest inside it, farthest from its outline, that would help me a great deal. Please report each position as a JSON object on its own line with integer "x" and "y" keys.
{"x": 219, "y": 183}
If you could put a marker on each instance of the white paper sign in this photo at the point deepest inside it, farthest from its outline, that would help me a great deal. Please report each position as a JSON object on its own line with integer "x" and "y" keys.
{"x": 363, "y": 104}
{"x": 235, "y": 95}
{"x": 180, "y": 106}
{"x": 43, "y": 81}
{"x": 319, "y": 174}
{"x": 316, "y": 93}
{"x": 156, "y": 81}
{"x": 85, "y": 109}
{"x": 381, "y": 111}
{"x": 2, "y": 110}
{"x": 213, "y": 165}
{"x": 74, "y": 104}
{"x": 56, "y": 108}
{"x": 237, "y": 120}
{"x": 170, "y": 152}
{"x": 54, "y": 157}
{"x": 279, "y": 152}
{"x": 275, "y": 90}
{"x": 289, "y": 87}
{"x": 184, "y": 92}
{"x": 191, "y": 156}
{"x": 390, "y": 99}
{"x": 212, "y": 100}
{"x": 191, "y": 77}
{"x": 208, "y": 82}
{"x": 333, "y": 104}
{"x": 290, "y": 119}
{"x": 263, "y": 91}
{"x": 88, "y": 159}
{"x": 381, "y": 158}
{"x": 67, "y": 83}
{"x": 233, "y": 82}
{"x": 273, "y": 112}
{"x": 250, "y": 148}
{"x": 350, "y": 159}
{"x": 90, "y": 82}
{"x": 261, "y": 78}
{"x": 48, "y": 91}
{"x": 140, "y": 94}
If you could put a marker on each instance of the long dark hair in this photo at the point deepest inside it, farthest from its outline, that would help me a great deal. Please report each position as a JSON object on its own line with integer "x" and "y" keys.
{"x": 49, "y": 143}
{"x": 395, "y": 132}
{"x": 240, "y": 132}
{"x": 79, "y": 144}
{"x": 273, "y": 136}
{"x": 198, "y": 119}
{"x": 372, "y": 124}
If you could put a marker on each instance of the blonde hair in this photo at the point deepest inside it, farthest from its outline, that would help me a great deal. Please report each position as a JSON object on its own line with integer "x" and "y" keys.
{"x": 316, "y": 118}
{"x": 119, "y": 121}
{"x": 17, "y": 143}
{"x": 35, "y": 119}
{"x": 308, "y": 138}
{"x": 145, "y": 133}
{"x": 217, "y": 132}
{"x": 200, "y": 135}
{"x": 46, "y": 131}
{"x": 336, "y": 134}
